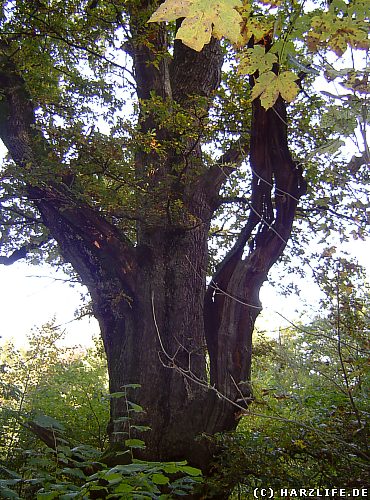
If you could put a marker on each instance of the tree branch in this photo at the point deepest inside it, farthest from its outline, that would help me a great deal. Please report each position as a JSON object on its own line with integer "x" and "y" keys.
{"x": 357, "y": 162}
{"x": 233, "y": 199}
{"x": 77, "y": 228}
{"x": 21, "y": 253}
{"x": 151, "y": 58}
{"x": 229, "y": 323}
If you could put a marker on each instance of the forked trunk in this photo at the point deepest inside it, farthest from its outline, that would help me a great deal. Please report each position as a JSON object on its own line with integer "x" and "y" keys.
{"x": 187, "y": 343}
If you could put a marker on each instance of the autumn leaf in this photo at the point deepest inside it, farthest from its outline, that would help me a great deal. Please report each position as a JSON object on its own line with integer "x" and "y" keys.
{"x": 268, "y": 86}
{"x": 265, "y": 89}
{"x": 170, "y": 10}
{"x": 256, "y": 59}
{"x": 338, "y": 32}
{"x": 256, "y": 26}
{"x": 203, "y": 19}
{"x": 286, "y": 83}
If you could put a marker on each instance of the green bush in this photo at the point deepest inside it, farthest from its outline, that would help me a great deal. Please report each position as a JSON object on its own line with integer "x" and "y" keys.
{"x": 42, "y": 458}
{"x": 44, "y": 378}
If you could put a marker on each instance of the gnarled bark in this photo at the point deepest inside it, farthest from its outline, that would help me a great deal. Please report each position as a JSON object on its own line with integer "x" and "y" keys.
{"x": 158, "y": 318}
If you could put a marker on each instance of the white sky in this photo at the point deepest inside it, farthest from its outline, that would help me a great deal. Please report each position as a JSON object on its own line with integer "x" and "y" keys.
{"x": 31, "y": 296}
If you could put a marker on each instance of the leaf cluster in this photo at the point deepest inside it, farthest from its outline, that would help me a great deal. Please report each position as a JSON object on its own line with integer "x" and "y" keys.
{"x": 47, "y": 384}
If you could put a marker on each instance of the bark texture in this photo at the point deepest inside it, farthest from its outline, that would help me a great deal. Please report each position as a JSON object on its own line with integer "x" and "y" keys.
{"x": 158, "y": 318}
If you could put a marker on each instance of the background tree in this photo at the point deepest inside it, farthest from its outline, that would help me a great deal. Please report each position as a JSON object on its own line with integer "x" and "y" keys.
{"x": 127, "y": 194}
{"x": 66, "y": 383}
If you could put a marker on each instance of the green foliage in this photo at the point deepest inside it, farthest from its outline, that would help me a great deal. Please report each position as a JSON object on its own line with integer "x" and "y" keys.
{"x": 72, "y": 58}
{"x": 79, "y": 473}
{"x": 59, "y": 394}
{"x": 157, "y": 480}
{"x": 68, "y": 384}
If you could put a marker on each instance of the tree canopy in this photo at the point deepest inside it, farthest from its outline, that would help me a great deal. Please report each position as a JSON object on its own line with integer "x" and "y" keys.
{"x": 76, "y": 62}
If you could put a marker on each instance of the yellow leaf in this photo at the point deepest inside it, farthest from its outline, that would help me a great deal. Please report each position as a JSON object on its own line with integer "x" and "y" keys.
{"x": 287, "y": 86}
{"x": 226, "y": 19}
{"x": 256, "y": 59}
{"x": 343, "y": 25}
{"x": 269, "y": 85}
{"x": 257, "y": 27}
{"x": 265, "y": 88}
{"x": 203, "y": 18}
{"x": 171, "y": 10}
{"x": 269, "y": 97}
{"x": 194, "y": 33}
{"x": 338, "y": 43}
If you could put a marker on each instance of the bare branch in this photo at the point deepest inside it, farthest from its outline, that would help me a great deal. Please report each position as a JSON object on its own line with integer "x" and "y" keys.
{"x": 357, "y": 162}
{"x": 233, "y": 199}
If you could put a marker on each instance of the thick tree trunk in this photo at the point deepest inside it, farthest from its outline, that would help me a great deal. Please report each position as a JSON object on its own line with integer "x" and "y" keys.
{"x": 168, "y": 336}
{"x": 160, "y": 322}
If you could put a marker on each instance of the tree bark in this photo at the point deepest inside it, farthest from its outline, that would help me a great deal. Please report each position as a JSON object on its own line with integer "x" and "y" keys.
{"x": 159, "y": 320}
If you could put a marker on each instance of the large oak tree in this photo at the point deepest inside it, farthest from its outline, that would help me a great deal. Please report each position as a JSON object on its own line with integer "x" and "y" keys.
{"x": 124, "y": 145}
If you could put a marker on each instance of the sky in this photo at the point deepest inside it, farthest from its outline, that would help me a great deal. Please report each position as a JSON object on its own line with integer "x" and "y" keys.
{"x": 31, "y": 296}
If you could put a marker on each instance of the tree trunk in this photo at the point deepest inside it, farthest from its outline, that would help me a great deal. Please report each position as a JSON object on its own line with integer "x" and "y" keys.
{"x": 188, "y": 344}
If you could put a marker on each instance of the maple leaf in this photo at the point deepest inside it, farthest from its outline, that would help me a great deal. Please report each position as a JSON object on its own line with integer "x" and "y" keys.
{"x": 256, "y": 59}
{"x": 266, "y": 89}
{"x": 203, "y": 18}
{"x": 269, "y": 85}
{"x": 286, "y": 83}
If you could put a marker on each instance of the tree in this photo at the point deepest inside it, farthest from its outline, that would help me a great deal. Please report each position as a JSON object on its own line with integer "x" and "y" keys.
{"x": 130, "y": 205}
{"x": 66, "y": 383}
